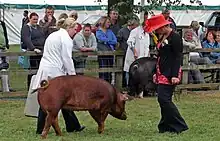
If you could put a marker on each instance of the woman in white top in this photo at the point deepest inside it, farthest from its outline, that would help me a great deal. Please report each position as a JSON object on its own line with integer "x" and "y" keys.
{"x": 138, "y": 46}
{"x": 57, "y": 61}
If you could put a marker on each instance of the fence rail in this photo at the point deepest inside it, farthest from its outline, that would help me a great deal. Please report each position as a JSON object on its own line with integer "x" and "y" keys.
{"x": 117, "y": 67}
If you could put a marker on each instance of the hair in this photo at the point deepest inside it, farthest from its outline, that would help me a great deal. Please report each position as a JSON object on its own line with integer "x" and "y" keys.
{"x": 63, "y": 15}
{"x": 103, "y": 20}
{"x": 73, "y": 14}
{"x": 87, "y": 25}
{"x": 145, "y": 13}
{"x": 33, "y": 14}
{"x": 50, "y": 7}
{"x": 113, "y": 10}
{"x": 133, "y": 22}
{"x": 25, "y": 11}
{"x": 66, "y": 23}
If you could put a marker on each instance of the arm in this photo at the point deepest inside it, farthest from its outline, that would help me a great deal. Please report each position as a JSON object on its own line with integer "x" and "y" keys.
{"x": 78, "y": 42}
{"x": 113, "y": 40}
{"x": 66, "y": 54}
{"x": 188, "y": 44}
{"x": 94, "y": 43}
{"x": 5, "y": 34}
{"x": 101, "y": 36}
{"x": 177, "y": 47}
{"x": 26, "y": 36}
{"x": 132, "y": 39}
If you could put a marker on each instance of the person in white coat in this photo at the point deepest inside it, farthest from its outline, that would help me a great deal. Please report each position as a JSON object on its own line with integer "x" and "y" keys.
{"x": 138, "y": 46}
{"x": 57, "y": 61}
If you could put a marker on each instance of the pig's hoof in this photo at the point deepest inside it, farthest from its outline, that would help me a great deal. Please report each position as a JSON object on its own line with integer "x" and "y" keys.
{"x": 58, "y": 134}
{"x": 43, "y": 136}
{"x": 100, "y": 131}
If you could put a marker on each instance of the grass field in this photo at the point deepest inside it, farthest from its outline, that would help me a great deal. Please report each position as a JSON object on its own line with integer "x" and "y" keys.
{"x": 201, "y": 112}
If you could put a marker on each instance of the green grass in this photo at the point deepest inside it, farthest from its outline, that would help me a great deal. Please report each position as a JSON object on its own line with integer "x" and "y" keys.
{"x": 201, "y": 113}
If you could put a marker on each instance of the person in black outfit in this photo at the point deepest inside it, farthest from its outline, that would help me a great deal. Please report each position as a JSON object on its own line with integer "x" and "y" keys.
{"x": 25, "y": 20}
{"x": 32, "y": 39}
{"x": 168, "y": 73}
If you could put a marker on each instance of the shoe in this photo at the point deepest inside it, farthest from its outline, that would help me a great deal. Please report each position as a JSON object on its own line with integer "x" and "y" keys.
{"x": 80, "y": 129}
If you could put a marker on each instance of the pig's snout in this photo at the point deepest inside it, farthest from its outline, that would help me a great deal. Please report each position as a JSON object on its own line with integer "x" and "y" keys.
{"x": 123, "y": 116}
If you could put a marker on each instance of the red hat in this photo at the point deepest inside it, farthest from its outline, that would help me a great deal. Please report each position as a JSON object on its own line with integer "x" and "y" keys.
{"x": 155, "y": 22}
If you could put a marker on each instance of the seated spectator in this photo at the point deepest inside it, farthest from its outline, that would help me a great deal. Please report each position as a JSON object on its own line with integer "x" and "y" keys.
{"x": 83, "y": 41}
{"x": 217, "y": 39}
{"x": 106, "y": 41}
{"x": 74, "y": 15}
{"x": 195, "y": 76}
{"x": 32, "y": 39}
{"x": 48, "y": 23}
{"x": 211, "y": 43}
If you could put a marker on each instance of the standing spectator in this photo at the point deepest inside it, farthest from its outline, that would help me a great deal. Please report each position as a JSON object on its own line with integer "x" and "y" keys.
{"x": 166, "y": 14}
{"x": 115, "y": 27}
{"x": 32, "y": 39}
{"x": 106, "y": 42}
{"x": 57, "y": 61}
{"x": 138, "y": 46}
{"x": 49, "y": 21}
{"x": 122, "y": 38}
{"x": 168, "y": 73}
{"x": 25, "y": 19}
{"x": 4, "y": 65}
{"x": 83, "y": 41}
{"x": 74, "y": 15}
{"x": 63, "y": 15}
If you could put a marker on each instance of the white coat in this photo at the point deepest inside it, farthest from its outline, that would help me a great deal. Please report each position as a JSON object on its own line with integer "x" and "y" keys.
{"x": 57, "y": 57}
{"x": 139, "y": 40}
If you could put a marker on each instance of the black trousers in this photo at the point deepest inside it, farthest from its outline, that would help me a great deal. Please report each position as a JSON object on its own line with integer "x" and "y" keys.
{"x": 171, "y": 120}
{"x": 106, "y": 62}
{"x": 69, "y": 116}
{"x": 34, "y": 64}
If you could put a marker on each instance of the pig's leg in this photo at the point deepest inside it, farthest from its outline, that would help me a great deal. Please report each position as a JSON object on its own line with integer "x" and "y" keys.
{"x": 56, "y": 127}
{"x": 100, "y": 119}
{"x": 48, "y": 123}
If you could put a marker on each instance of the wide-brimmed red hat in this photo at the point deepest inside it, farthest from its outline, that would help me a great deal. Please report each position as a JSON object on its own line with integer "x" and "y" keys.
{"x": 155, "y": 22}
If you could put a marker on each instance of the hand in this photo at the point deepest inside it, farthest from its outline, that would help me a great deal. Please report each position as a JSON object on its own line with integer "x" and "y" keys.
{"x": 37, "y": 50}
{"x": 50, "y": 18}
{"x": 155, "y": 78}
{"x": 83, "y": 49}
{"x": 175, "y": 80}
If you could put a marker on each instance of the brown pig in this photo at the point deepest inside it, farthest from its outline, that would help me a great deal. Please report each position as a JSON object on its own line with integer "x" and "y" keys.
{"x": 80, "y": 93}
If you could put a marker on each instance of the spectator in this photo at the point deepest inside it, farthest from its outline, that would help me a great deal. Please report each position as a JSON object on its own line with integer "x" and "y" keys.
{"x": 74, "y": 15}
{"x": 115, "y": 27}
{"x": 32, "y": 39}
{"x": 83, "y": 41}
{"x": 195, "y": 76}
{"x": 106, "y": 41}
{"x": 138, "y": 46}
{"x": 145, "y": 15}
{"x": 49, "y": 21}
{"x": 25, "y": 19}
{"x": 122, "y": 38}
{"x": 217, "y": 39}
{"x": 211, "y": 43}
{"x": 166, "y": 14}
{"x": 63, "y": 15}
{"x": 4, "y": 65}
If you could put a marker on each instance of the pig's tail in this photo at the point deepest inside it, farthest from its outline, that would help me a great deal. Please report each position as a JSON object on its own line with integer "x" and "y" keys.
{"x": 44, "y": 84}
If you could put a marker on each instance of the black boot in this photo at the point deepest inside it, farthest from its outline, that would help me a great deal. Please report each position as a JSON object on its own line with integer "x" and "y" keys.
{"x": 29, "y": 81}
{"x": 40, "y": 121}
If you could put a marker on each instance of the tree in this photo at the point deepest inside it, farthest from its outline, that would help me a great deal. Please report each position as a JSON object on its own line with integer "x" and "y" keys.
{"x": 127, "y": 9}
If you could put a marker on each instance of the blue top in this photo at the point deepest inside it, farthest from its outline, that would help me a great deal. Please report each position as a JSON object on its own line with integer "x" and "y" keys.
{"x": 213, "y": 56}
{"x": 107, "y": 38}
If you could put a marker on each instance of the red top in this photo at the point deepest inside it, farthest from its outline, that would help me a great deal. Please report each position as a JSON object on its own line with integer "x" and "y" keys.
{"x": 79, "y": 28}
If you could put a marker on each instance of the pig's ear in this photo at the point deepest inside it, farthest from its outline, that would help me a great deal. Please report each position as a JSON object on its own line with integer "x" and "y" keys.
{"x": 126, "y": 97}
